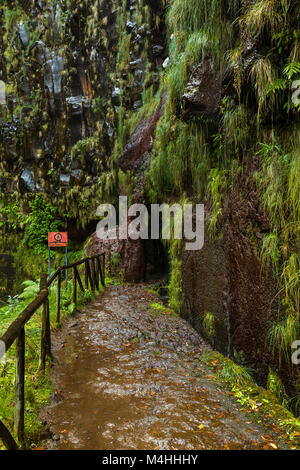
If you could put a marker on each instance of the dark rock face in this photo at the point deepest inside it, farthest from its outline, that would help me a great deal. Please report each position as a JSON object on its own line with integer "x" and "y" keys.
{"x": 205, "y": 288}
{"x": 203, "y": 93}
{"x": 250, "y": 51}
{"x": 252, "y": 289}
{"x": 68, "y": 66}
{"x": 126, "y": 254}
{"x": 141, "y": 141}
{"x": 226, "y": 279}
{"x": 7, "y": 275}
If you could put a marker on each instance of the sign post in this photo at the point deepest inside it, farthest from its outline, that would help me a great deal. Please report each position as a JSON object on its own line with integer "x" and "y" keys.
{"x": 66, "y": 262}
{"x": 56, "y": 240}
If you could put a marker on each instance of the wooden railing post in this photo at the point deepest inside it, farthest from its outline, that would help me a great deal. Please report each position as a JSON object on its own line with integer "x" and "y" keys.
{"x": 91, "y": 275}
{"x": 45, "y": 337}
{"x": 74, "y": 279}
{"x": 89, "y": 279}
{"x": 58, "y": 298}
{"x": 19, "y": 386}
{"x": 101, "y": 271}
{"x": 86, "y": 274}
{"x": 16, "y": 332}
{"x": 96, "y": 278}
{"x": 96, "y": 269}
{"x": 48, "y": 329}
{"x": 79, "y": 279}
{"x": 104, "y": 266}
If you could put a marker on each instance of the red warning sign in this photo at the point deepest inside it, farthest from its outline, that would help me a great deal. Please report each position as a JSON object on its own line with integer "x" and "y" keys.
{"x": 56, "y": 239}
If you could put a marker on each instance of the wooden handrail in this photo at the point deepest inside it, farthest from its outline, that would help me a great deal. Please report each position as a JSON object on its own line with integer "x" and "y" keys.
{"x": 16, "y": 332}
{"x": 70, "y": 266}
{"x": 12, "y": 332}
{"x": 7, "y": 438}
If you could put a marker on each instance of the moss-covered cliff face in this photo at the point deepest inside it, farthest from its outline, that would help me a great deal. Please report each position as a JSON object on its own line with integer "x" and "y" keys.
{"x": 73, "y": 72}
{"x": 171, "y": 101}
{"x": 229, "y": 137}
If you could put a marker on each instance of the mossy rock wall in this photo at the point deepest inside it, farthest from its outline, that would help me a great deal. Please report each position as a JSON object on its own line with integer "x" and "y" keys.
{"x": 75, "y": 73}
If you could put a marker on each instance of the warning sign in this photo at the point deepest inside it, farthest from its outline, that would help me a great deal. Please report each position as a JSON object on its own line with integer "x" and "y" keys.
{"x": 56, "y": 239}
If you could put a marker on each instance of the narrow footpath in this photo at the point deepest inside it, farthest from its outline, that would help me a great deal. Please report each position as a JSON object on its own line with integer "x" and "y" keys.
{"x": 128, "y": 377}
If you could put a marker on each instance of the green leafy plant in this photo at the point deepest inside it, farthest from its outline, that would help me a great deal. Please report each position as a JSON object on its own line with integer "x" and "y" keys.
{"x": 41, "y": 220}
{"x": 233, "y": 373}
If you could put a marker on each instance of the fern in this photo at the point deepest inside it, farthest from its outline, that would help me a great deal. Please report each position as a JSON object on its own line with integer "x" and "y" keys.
{"x": 232, "y": 372}
{"x": 281, "y": 337}
{"x": 30, "y": 291}
{"x": 278, "y": 85}
{"x": 291, "y": 69}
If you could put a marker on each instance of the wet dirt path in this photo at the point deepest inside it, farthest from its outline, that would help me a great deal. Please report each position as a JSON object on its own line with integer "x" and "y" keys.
{"x": 126, "y": 378}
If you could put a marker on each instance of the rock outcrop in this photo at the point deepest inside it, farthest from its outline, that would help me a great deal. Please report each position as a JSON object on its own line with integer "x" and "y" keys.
{"x": 73, "y": 69}
{"x": 227, "y": 280}
{"x": 203, "y": 93}
{"x": 125, "y": 257}
{"x": 141, "y": 141}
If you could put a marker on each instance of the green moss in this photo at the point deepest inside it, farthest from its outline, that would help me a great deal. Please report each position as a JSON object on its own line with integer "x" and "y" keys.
{"x": 276, "y": 386}
{"x": 260, "y": 402}
{"x": 208, "y": 323}
{"x": 175, "y": 282}
{"x": 159, "y": 308}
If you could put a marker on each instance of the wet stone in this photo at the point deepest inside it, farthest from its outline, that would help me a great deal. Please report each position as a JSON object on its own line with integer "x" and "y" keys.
{"x": 23, "y": 34}
{"x": 27, "y": 180}
{"x": 65, "y": 180}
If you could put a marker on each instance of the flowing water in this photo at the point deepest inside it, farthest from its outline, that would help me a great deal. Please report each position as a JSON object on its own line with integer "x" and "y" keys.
{"x": 127, "y": 378}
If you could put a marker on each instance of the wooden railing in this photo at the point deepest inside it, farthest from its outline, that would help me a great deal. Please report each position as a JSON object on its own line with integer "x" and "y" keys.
{"x": 94, "y": 268}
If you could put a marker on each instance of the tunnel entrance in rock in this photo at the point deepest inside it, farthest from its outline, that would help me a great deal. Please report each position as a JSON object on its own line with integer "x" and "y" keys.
{"x": 157, "y": 260}
{"x": 79, "y": 234}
